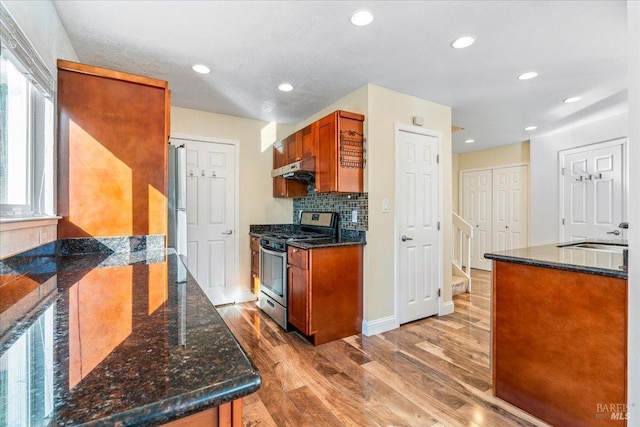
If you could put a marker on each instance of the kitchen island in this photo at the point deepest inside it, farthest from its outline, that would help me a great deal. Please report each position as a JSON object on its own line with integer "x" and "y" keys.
{"x": 559, "y": 333}
{"x": 115, "y": 338}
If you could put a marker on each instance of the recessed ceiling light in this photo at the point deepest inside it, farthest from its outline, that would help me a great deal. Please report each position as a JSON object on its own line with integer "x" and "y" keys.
{"x": 527, "y": 75}
{"x": 572, "y": 99}
{"x": 202, "y": 69}
{"x": 469, "y": 141}
{"x": 462, "y": 42}
{"x": 531, "y": 128}
{"x": 362, "y": 17}
{"x": 285, "y": 87}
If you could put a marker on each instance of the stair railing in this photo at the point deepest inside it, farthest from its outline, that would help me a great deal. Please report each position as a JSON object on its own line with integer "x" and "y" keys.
{"x": 462, "y": 234}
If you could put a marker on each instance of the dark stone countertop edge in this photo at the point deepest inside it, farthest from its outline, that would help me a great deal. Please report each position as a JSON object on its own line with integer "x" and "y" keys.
{"x": 190, "y": 403}
{"x": 621, "y": 274}
{"x": 313, "y": 245}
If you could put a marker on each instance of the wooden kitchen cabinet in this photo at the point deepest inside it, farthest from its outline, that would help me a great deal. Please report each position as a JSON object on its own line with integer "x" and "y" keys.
{"x": 325, "y": 292}
{"x": 255, "y": 264}
{"x": 302, "y": 144}
{"x": 340, "y": 151}
{"x": 225, "y": 415}
{"x": 285, "y": 187}
{"x": 113, "y": 130}
{"x": 559, "y": 343}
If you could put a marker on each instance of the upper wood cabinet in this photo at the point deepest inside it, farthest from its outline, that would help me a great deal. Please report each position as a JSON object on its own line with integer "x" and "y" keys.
{"x": 340, "y": 155}
{"x": 337, "y": 143}
{"x": 113, "y": 131}
{"x": 285, "y": 187}
{"x": 302, "y": 144}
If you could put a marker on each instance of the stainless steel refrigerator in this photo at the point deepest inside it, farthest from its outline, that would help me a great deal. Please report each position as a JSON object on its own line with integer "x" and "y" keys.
{"x": 177, "y": 181}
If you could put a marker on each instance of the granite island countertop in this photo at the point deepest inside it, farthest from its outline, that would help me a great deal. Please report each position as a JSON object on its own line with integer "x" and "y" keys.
{"x": 120, "y": 339}
{"x": 559, "y": 256}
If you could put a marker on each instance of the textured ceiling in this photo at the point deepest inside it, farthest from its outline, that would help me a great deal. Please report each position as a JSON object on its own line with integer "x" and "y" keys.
{"x": 577, "y": 47}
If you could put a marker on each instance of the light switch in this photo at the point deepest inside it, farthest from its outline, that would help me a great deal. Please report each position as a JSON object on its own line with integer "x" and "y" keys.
{"x": 385, "y": 205}
{"x": 354, "y": 216}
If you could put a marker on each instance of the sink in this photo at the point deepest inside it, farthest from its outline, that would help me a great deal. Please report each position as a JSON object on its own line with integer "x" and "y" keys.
{"x": 597, "y": 246}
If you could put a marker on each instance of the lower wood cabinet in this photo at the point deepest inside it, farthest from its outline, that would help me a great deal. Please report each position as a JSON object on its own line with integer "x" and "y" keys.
{"x": 255, "y": 264}
{"x": 325, "y": 292}
{"x": 226, "y": 415}
{"x": 560, "y": 344}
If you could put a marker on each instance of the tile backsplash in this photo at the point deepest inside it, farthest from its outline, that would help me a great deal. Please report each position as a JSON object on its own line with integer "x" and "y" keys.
{"x": 344, "y": 204}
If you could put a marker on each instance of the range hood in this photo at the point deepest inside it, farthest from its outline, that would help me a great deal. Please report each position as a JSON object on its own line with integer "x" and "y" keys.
{"x": 303, "y": 170}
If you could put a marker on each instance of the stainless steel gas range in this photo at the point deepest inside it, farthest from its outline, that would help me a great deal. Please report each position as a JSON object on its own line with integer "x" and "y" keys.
{"x": 273, "y": 260}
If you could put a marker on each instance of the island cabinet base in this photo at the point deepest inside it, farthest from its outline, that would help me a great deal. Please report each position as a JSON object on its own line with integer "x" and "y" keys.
{"x": 226, "y": 415}
{"x": 560, "y": 344}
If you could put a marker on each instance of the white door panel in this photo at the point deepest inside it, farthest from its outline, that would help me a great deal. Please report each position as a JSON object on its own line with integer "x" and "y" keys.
{"x": 510, "y": 208}
{"x": 417, "y": 207}
{"x": 211, "y": 226}
{"x": 592, "y": 192}
{"x": 476, "y": 210}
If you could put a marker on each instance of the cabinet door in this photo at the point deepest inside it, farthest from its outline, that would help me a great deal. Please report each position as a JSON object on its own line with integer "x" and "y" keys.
{"x": 293, "y": 147}
{"x": 279, "y": 157}
{"x": 308, "y": 137}
{"x": 326, "y": 162}
{"x": 298, "y": 304}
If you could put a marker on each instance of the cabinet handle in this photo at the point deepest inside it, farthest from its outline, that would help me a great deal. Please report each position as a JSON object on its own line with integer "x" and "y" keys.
{"x": 294, "y": 250}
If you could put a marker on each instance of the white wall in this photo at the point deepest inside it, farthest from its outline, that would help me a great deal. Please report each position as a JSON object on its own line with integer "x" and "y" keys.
{"x": 40, "y": 22}
{"x": 544, "y": 193}
{"x": 386, "y": 108}
{"x": 633, "y": 379}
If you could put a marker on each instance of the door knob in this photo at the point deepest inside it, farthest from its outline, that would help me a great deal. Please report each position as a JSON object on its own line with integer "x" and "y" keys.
{"x": 614, "y": 232}
{"x": 405, "y": 238}
{"x": 227, "y": 232}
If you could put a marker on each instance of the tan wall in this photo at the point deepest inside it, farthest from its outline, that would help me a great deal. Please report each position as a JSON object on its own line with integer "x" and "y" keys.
{"x": 256, "y": 204}
{"x": 490, "y": 158}
{"x": 386, "y": 108}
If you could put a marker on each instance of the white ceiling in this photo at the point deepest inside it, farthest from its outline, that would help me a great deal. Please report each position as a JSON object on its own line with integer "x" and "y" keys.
{"x": 577, "y": 47}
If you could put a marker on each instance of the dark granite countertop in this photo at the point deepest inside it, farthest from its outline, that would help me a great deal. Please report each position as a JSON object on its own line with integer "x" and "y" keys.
{"x": 117, "y": 339}
{"x": 346, "y": 238}
{"x": 325, "y": 243}
{"x": 565, "y": 258}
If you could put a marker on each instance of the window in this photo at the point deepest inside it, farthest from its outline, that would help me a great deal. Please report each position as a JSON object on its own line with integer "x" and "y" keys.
{"x": 26, "y": 128}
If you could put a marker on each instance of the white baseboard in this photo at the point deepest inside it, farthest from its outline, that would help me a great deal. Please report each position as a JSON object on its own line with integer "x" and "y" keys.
{"x": 378, "y": 326}
{"x": 245, "y": 296}
{"x": 446, "y": 308}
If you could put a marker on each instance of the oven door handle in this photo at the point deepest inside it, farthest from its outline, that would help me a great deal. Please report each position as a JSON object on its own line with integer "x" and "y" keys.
{"x": 274, "y": 253}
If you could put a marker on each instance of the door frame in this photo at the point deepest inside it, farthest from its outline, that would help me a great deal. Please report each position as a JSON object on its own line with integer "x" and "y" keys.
{"x": 402, "y": 127}
{"x": 243, "y": 294}
{"x": 621, "y": 140}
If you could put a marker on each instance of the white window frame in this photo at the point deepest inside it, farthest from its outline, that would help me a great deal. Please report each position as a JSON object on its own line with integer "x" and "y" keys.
{"x": 41, "y": 145}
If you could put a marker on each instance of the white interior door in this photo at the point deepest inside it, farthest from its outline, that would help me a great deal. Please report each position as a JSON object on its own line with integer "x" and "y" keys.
{"x": 592, "y": 192}
{"x": 510, "y": 207}
{"x": 417, "y": 207}
{"x": 211, "y": 236}
{"x": 476, "y": 210}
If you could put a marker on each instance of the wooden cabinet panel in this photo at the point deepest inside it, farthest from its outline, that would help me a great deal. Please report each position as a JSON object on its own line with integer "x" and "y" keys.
{"x": 225, "y": 415}
{"x": 293, "y": 147}
{"x": 559, "y": 342}
{"x": 339, "y": 166}
{"x": 111, "y": 124}
{"x": 325, "y": 300}
{"x": 254, "y": 245}
{"x": 285, "y": 187}
{"x": 298, "y": 257}
{"x": 308, "y": 137}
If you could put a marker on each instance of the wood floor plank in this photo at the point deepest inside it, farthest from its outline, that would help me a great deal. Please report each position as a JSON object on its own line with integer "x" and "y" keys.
{"x": 432, "y": 372}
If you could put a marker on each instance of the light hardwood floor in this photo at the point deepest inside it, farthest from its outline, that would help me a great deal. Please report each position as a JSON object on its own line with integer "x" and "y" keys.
{"x": 432, "y": 372}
